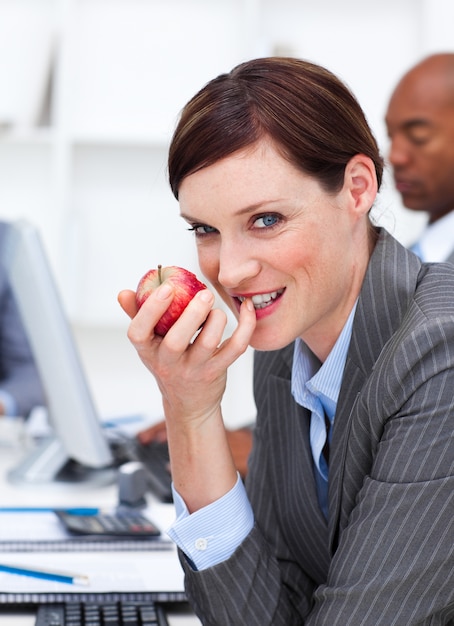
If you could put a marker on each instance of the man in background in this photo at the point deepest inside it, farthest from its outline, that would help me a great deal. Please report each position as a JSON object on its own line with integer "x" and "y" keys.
{"x": 20, "y": 385}
{"x": 420, "y": 123}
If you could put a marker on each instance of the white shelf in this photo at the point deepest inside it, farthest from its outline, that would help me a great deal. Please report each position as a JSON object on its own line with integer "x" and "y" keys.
{"x": 28, "y": 136}
{"x": 49, "y": 136}
{"x": 118, "y": 140}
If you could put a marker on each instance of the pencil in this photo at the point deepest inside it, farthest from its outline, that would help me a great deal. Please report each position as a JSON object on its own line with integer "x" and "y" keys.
{"x": 55, "y": 575}
{"x": 44, "y": 509}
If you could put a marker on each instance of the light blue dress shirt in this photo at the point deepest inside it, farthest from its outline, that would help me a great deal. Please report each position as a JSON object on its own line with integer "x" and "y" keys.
{"x": 436, "y": 243}
{"x": 211, "y": 534}
{"x": 316, "y": 387}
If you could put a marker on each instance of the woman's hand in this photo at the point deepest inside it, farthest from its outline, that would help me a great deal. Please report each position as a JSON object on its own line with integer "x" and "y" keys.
{"x": 190, "y": 367}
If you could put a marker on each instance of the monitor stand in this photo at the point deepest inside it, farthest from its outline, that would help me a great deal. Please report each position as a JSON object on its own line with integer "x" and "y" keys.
{"x": 48, "y": 464}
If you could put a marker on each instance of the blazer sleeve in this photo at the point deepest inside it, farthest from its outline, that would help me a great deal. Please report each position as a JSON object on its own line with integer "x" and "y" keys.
{"x": 251, "y": 587}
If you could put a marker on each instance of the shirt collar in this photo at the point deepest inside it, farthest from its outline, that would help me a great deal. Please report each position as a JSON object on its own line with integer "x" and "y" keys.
{"x": 436, "y": 242}
{"x": 312, "y": 379}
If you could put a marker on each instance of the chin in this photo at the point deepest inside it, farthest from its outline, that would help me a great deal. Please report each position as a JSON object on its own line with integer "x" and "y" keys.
{"x": 413, "y": 204}
{"x": 268, "y": 341}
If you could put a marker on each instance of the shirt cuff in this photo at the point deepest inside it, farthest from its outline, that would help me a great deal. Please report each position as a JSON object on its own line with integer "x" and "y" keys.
{"x": 212, "y": 534}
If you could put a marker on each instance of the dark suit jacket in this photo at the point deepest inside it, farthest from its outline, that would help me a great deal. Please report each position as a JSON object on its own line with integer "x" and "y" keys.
{"x": 386, "y": 556}
{"x": 18, "y": 374}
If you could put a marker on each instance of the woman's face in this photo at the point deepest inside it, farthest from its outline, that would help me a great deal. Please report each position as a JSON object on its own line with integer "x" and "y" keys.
{"x": 267, "y": 231}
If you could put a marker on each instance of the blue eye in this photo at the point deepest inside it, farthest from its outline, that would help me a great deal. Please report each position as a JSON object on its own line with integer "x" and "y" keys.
{"x": 266, "y": 221}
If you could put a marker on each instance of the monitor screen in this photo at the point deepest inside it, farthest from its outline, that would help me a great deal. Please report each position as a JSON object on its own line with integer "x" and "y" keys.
{"x": 78, "y": 440}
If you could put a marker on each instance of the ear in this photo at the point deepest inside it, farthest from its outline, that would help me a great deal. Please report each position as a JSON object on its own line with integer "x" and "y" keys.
{"x": 360, "y": 183}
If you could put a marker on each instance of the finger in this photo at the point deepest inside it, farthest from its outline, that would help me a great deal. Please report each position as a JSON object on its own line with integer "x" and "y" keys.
{"x": 180, "y": 335}
{"x": 237, "y": 344}
{"x": 210, "y": 336}
{"x": 141, "y": 329}
{"x": 208, "y": 346}
{"x": 127, "y": 300}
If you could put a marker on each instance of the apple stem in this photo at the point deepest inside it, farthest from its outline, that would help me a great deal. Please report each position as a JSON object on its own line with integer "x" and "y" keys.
{"x": 159, "y": 274}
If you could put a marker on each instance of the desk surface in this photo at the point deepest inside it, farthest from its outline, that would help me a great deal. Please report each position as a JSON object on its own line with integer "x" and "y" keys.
{"x": 59, "y": 496}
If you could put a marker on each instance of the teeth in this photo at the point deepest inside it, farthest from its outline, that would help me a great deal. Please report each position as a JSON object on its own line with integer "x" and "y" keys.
{"x": 262, "y": 300}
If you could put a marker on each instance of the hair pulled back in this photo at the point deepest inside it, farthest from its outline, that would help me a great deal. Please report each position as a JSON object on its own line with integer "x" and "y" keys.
{"x": 309, "y": 114}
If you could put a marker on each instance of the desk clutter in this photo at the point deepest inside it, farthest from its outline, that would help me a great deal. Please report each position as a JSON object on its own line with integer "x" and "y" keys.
{"x": 44, "y": 563}
{"x": 45, "y": 551}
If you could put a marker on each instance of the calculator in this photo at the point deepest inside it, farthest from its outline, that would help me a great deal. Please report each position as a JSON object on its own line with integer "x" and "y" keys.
{"x": 117, "y": 524}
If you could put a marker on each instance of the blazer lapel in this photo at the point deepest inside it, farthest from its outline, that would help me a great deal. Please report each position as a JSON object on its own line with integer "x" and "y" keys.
{"x": 282, "y": 446}
{"x": 383, "y": 301}
{"x": 293, "y": 484}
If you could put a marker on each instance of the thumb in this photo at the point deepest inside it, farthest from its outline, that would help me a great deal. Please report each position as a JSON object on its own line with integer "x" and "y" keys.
{"x": 127, "y": 300}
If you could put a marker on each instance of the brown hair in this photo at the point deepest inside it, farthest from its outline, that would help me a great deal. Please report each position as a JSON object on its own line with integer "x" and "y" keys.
{"x": 306, "y": 110}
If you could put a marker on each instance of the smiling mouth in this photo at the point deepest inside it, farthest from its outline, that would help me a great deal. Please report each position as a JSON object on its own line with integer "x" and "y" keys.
{"x": 262, "y": 300}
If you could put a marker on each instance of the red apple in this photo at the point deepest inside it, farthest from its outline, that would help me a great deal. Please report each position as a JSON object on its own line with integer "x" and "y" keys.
{"x": 185, "y": 285}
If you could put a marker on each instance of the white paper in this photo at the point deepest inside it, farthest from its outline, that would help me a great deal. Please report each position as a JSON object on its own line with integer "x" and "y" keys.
{"x": 158, "y": 571}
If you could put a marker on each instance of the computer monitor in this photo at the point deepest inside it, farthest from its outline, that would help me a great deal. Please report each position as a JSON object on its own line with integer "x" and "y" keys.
{"x": 78, "y": 452}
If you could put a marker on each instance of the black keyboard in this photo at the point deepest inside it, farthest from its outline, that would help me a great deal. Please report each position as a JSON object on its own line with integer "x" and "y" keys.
{"x": 120, "y": 613}
{"x": 154, "y": 457}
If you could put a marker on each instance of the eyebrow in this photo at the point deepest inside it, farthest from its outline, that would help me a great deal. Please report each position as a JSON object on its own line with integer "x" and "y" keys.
{"x": 258, "y": 206}
{"x": 412, "y": 123}
{"x": 419, "y": 121}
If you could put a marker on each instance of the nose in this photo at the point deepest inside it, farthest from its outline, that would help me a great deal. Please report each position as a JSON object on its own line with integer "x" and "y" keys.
{"x": 398, "y": 153}
{"x": 237, "y": 264}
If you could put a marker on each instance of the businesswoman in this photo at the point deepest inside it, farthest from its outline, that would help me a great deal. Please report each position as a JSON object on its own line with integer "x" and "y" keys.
{"x": 346, "y": 516}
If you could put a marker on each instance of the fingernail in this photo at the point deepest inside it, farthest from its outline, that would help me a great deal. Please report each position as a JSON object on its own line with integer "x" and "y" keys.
{"x": 164, "y": 291}
{"x": 206, "y": 296}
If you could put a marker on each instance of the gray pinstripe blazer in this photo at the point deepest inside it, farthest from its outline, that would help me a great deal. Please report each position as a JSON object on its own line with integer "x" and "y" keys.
{"x": 386, "y": 557}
